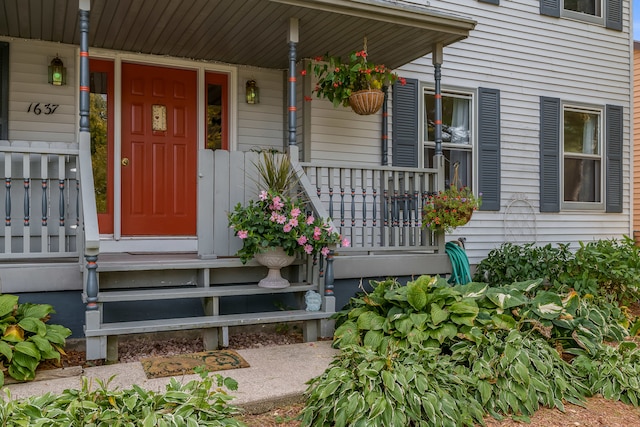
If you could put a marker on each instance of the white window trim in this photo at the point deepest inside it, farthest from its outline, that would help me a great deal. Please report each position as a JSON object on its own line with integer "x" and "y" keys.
{"x": 584, "y": 17}
{"x": 473, "y": 146}
{"x": 584, "y": 206}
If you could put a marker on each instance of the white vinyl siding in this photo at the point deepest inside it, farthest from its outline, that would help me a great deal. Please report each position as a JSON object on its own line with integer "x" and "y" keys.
{"x": 261, "y": 125}
{"x": 340, "y": 135}
{"x": 526, "y": 55}
{"x": 28, "y": 85}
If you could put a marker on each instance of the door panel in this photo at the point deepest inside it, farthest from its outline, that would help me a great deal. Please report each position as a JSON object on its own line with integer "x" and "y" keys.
{"x": 159, "y": 153}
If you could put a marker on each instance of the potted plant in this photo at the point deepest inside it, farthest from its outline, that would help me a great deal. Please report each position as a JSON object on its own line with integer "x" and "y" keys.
{"x": 276, "y": 227}
{"x": 356, "y": 82}
{"x": 450, "y": 208}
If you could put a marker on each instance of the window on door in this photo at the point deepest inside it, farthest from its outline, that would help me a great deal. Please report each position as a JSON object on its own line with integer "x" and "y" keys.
{"x": 217, "y": 128}
{"x": 101, "y": 128}
{"x": 582, "y": 155}
{"x": 457, "y": 137}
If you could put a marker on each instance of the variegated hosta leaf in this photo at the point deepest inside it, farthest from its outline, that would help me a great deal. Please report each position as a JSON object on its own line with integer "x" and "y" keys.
{"x": 472, "y": 289}
{"x": 547, "y": 305}
{"x": 506, "y": 298}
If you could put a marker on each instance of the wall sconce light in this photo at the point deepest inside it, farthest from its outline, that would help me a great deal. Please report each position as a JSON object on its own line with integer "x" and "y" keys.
{"x": 57, "y": 72}
{"x": 252, "y": 92}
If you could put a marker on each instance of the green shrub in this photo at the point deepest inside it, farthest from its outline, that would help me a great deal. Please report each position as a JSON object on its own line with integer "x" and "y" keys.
{"x": 609, "y": 268}
{"x": 26, "y": 337}
{"x": 514, "y": 263}
{"x": 196, "y": 403}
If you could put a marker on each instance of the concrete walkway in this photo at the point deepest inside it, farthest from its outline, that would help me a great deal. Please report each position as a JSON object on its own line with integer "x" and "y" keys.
{"x": 277, "y": 376}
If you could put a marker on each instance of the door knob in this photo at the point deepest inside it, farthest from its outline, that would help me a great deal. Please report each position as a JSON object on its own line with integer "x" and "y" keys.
{"x": 124, "y": 161}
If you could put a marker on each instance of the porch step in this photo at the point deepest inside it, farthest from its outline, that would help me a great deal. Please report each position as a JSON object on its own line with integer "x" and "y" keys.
{"x": 151, "y": 294}
{"x": 165, "y": 261}
{"x": 178, "y": 324}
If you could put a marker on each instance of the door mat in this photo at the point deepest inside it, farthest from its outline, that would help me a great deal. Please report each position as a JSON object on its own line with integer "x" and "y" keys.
{"x": 183, "y": 364}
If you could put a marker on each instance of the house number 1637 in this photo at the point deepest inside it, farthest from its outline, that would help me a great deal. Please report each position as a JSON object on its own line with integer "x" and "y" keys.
{"x": 39, "y": 108}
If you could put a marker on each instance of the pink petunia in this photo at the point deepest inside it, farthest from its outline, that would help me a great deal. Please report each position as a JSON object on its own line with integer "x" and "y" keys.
{"x": 276, "y": 204}
{"x": 325, "y": 251}
{"x": 287, "y": 228}
{"x": 263, "y": 195}
{"x": 243, "y": 234}
{"x": 345, "y": 243}
{"x": 317, "y": 232}
{"x": 302, "y": 240}
{"x": 308, "y": 249}
{"x": 310, "y": 219}
{"x": 295, "y": 212}
{"x": 281, "y": 219}
{"x": 293, "y": 222}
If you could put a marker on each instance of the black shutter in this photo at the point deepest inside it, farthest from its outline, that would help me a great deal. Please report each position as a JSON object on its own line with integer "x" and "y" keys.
{"x": 489, "y": 148}
{"x": 405, "y": 124}
{"x": 613, "y": 135}
{"x": 613, "y": 17}
{"x": 4, "y": 90}
{"x": 549, "y": 154}
{"x": 490, "y": 1}
{"x": 550, "y": 8}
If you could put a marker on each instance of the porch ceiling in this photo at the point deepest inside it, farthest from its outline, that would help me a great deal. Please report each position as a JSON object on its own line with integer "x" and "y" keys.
{"x": 252, "y": 32}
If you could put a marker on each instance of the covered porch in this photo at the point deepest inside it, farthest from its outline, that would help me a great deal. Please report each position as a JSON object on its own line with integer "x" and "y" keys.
{"x": 375, "y": 204}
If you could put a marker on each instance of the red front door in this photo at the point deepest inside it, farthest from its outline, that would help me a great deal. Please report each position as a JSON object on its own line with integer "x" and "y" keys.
{"x": 159, "y": 151}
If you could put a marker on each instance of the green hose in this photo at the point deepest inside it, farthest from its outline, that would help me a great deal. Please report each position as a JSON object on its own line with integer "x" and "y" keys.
{"x": 461, "y": 271}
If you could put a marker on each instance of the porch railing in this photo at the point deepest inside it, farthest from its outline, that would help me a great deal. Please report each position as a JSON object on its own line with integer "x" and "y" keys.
{"x": 41, "y": 195}
{"x": 378, "y": 208}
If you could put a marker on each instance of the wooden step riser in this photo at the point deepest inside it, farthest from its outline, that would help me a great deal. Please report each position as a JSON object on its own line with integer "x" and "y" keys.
{"x": 184, "y": 277}
{"x": 155, "y": 294}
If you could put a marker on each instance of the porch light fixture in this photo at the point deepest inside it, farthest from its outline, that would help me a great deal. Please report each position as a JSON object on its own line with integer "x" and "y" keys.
{"x": 57, "y": 72}
{"x": 252, "y": 92}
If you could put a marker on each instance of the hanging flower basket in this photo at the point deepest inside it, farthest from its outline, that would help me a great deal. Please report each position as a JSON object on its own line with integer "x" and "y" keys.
{"x": 367, "y": 101}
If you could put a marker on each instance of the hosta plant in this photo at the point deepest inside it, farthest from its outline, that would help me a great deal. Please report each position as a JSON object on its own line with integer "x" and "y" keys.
{"x": 202, "y": 402}
{"x": 26, "y": 338}
{"x": 397, "y": 388}
{"x": 425, "y": 312}
{"x": 613, "y": 372}
{"x": 516, "y": 374}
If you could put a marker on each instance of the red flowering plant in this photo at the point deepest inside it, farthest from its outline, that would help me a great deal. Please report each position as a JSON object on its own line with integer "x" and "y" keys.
{"x": 278, "y": 220}
{"x": 449, "y": 209}
{"x": 337, "y": 80}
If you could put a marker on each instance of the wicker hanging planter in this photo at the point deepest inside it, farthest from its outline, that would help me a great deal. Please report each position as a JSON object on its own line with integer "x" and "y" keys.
{"x": 367, "y": 101}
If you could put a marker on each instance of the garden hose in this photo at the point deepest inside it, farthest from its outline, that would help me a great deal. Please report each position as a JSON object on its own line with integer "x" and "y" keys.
{"x": 461, "y": 271}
